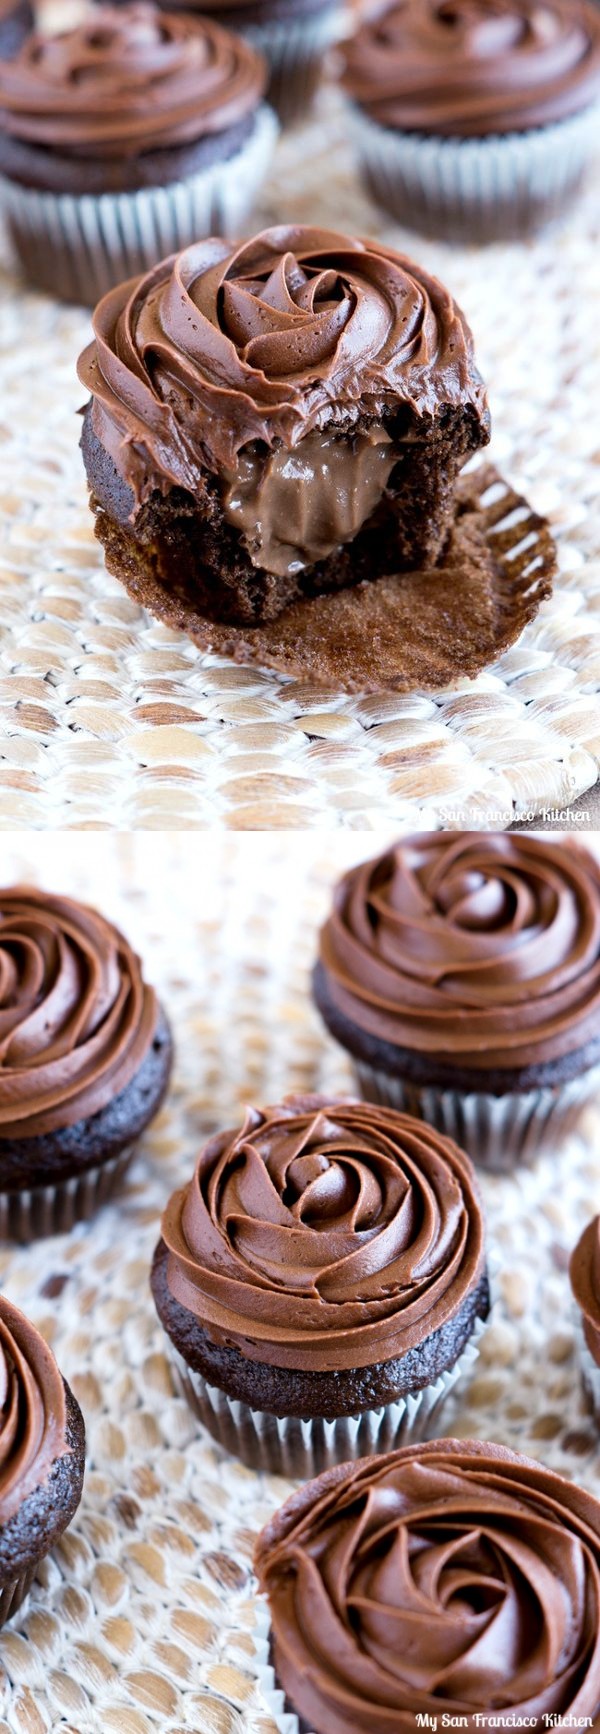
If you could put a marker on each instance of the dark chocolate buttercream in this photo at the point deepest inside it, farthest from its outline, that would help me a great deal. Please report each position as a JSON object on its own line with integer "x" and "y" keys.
{"x": 483, "y": 950}
{"x": 33, "y": 1417}
{"x": 473, "y": 67}
{"x": 451, "y": 1578}
{"x": 585, "y": 1283}
{"x": 76, "y": 1017}
{"x": 323, "y": 1235}
{"x": 295, "y": 330}
{"x": 128, "y": 80}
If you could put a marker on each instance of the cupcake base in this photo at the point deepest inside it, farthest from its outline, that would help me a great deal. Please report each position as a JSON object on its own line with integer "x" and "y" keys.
{"x": 498, "y": 188}
{"x": 77, "y": 247}
{"x": 303, "y": 1448}
{"x": 38, "y": 1211}
{"x": 499, "y": 1133}
{"x": 590, "y": 1377}
{"x": 294, "y": 50}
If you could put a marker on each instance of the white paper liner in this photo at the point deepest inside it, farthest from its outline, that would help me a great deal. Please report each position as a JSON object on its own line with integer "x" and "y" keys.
{"x": 294, "y": 49}
{"x": 13, "y": 1594}
{"x": 285, "y": 1720}
{"x": 77, "y": 247}
{"x": 498, "y": 1132}
{"x": 53, "y": 1209}
{"x": 302, "y": 1449}
{"x": 483, "y": 188}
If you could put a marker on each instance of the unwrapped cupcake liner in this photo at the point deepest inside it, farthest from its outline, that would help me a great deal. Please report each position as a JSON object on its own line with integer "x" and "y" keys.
{"x": 303, "y": 1448}
{"x": 294, "y": 50}
{"x": 499, "y": 1133}
{"x": 13, "y": 1593}
{"x": 482, "y": 189}
{"x": 78, "y": 247}
{"x": 55, "y": 1208}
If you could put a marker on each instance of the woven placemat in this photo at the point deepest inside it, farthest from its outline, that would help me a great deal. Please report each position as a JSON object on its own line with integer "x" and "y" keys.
{"x": 110, "y": 719}
{"x": 142, "y": 1621}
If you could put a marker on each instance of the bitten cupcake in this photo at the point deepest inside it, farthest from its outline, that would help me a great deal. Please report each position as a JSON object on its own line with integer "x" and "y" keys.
{"x": 462, "y": 973}
{"x": 322, "y": 1281}
{"x": 275, "y": 421}
{"x": 456, "y": 1582}
{"x": 16, "y": 21}
{"x": 125, "y": 138}
{"x": 584, "y": 1272}
{"x": 85, "y": 1056}
{"x": 42, "y": 1446}
{"x": 475, "y": 121}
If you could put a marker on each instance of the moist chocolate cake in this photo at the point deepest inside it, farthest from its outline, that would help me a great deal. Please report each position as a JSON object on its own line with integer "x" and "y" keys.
{"x": 278, "y": 421}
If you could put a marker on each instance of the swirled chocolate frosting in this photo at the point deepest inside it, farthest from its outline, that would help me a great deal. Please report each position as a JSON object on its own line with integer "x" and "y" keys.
{"x": 451, "y": 1578}
{"x": 128, "y": 80}
{"x": 482, "y": 950}
{"x": 215, "y": 350}
{"x": 323, "y": 1235}
{"x": 76, "y": 1017}
{"x": 473, "y": 67}
{"x": 585, "y": 1283}
{"x": 33, "y": 1417}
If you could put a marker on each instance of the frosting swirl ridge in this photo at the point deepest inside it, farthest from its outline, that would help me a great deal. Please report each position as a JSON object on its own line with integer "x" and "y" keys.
{"x": 450, "y": 1576}
{"x": 584, "y": 1272}
{"x": 76, "y": 1017}
{"x": 33, "y": 1417}
{"x": 325, "y": 1235}
{"x": 472, "y": 67}
{"x": 299, "y": 328}
{"x": 483, "y": 950}
{"x": 128, "y": 80}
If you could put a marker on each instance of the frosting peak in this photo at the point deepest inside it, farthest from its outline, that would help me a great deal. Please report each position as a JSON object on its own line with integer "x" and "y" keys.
{"x": 76, "y": 1017}
{"x": 325, "y": 1235}
{"x": 32, "y": 1410}
{"x": 483, "y": 950}
{"x": 475, "y": 66}
{"x": 453, "y": 1577}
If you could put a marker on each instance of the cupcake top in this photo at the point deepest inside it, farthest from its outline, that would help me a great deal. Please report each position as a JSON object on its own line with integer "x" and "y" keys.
{"x": 33, "y": 1414}
{"x": 294, "y": 330}
{"x": 325, "y": 1235}
{"x": 128, "y": 80}
{"x": 472, "y": 67}
{"x": 76, "y": 1017}
{"x": 453, "y": 1578}
{"x": 584, "y": 1271}
{"x": 480, "y": 951}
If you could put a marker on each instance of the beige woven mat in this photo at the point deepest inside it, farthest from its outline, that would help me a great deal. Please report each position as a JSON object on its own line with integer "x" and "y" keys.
{"x": 142, "y": 1621}
{"x": 109, "y": 719}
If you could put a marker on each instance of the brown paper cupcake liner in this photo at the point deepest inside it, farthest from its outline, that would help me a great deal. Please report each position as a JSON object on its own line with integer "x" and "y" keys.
{"x": 12, "y": 1594}
{"x": 286, "y": 1445}
{"x": 414, "y": 630}
{"x": 499, "y": 1133}
{"x": 54, "y": 1209}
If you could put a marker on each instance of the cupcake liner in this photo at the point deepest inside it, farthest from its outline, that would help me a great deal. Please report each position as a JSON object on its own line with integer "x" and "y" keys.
{"x": 303, "y": 1448}
{"x": 12, "y": 1594}
{"x": 294, "y": 50}
{"x": 53, "y": 1209}
{"x": 77, "y": 247}
{"x": 286, "y": 1721}
{"x": 479, "y": 189}
{"x": 498, "y": 1132}
{"x": 590, "y": 1373}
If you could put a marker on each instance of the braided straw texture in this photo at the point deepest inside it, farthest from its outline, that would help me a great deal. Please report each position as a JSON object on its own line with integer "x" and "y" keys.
{"x": 141, "y": 1621}
{"x": 112, "y": 720}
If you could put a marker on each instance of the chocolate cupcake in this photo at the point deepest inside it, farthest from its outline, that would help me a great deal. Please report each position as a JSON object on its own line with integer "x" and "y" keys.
{"x": 125, "y": 138}
{"x": 16, "y": 21}
{"x": 42, "y": 1446}
{"x": 85, "y": 1056}
{"x": 475, "y": 121}
{"x": 456, "y": 1582}
{"x": 584, "y": 1271}
{"x": 462, "y": 973}
{"x": 277, "y": 421}
{"x": 322, "y": 1281}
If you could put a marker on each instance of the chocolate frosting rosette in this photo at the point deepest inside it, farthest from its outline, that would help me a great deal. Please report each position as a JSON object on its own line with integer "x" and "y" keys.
{"x": 322, "y": 1280}
{"x": 462, "y": 973}
{"x": 453, "y": 1579}
{"x": 84, "y": 1059}
{"x": 42, "y": 1444}
{"x": 474, "y": 96}
{"x": 584, "y": 1272}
